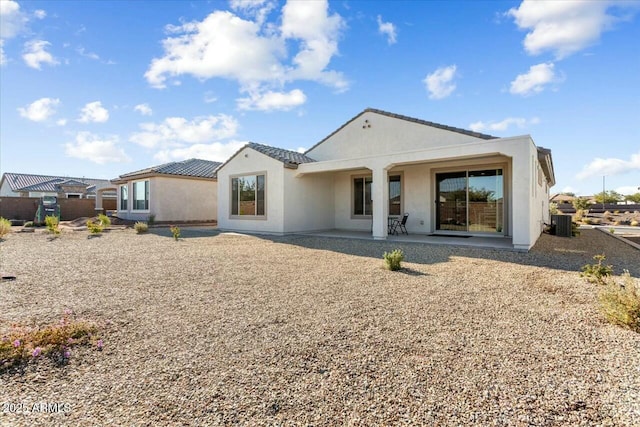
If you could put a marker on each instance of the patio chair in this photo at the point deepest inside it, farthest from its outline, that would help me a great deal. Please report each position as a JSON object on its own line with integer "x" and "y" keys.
{"x": 399, "y": 224}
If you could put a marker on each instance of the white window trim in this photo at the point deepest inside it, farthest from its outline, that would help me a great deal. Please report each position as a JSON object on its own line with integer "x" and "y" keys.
{"x": 266, "y": 186}
{"x": 132, "y": 198}
{"x": 352, "y": 178}
{"x": 119, "y": 196}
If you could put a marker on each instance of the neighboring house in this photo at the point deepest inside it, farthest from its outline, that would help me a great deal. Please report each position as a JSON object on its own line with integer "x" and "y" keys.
{"x": 28, "y": 185}
{"x": 562, "y": 198}
{"x": 183, "y": 191}
{"x": 379, "y": 165}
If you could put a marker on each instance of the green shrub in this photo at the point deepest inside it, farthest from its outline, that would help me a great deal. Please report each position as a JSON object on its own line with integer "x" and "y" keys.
{"x": 393, "y": 260}
{"x": 22, "y": 343}
{"x": 175, "y": 230}
{"x": 104, "y": 220}
{"x": 151, "y": 220}
{"x": 553, "y": 208}
{"x": 580, "y": 204}
{"x": 140, "y": 227}
{"x": 5, "y": 227}
{"x": 53, "y": 224}
{"x": 95, "y": 227}
{"x": 620, "y": 303}
{"x": 612, "y": 230}
{"x": 597, "y": 273}
{"x": 574, "y": 229}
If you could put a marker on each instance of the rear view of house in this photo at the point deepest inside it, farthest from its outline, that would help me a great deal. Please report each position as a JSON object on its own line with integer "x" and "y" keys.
{"x": 380, "y": 165}
{"x": 183, "y": 191}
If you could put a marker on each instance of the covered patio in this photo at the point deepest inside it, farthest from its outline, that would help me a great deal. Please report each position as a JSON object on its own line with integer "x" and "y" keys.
{"x": 487, "y": 242}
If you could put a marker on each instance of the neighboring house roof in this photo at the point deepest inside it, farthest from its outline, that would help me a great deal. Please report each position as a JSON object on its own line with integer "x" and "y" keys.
{"x": 192, "y": 168}
{"x": 562, "y": 198}
{"x": 47, "y": 183}
{"x": 409, "y": 119}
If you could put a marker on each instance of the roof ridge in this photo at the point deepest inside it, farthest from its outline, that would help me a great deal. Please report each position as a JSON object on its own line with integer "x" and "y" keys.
{"x": 406, "y": 118}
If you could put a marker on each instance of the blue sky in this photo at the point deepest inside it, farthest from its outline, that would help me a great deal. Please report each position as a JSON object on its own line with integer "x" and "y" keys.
{"x": 101, "y": 88}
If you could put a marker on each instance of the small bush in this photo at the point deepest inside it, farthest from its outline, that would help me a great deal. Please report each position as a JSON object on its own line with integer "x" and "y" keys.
{"x": 95, "y": 227}
{"x": 612, "y": 230}
{"x": 616, "y": 212}
{"x": 104, "y": 220}
{"x": 53, "y": 224}
{"x": 24, "y": 343}
{"x": 586, "y": 220}
{"x": 634, "y": 223}
{"x": 151, "y": 220}
{"x": 393, "y": 260}
{"x": 175, "y": 230}
{"x": 553, "y": 208}
{"x": 620, "y": 303}
{"x": 575, "y": 232}
{"x": 140, "y": 227}
{"x": 5, "y": 227}
{"x": 597, "y": 273}
{"x": 578, "y": 216}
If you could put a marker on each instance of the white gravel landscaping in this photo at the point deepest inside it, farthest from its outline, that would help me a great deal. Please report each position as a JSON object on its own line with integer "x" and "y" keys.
{"x": 226, "y": 329}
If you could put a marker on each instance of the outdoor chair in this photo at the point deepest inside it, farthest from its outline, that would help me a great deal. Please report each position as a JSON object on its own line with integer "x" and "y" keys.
{"x": 399, "y": 224}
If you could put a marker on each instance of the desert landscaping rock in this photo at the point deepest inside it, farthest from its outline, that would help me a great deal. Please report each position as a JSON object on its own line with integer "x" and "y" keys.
{"x": 226, "y": 329}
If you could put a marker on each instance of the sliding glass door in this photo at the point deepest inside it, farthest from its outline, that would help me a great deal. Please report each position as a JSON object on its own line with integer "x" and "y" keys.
{"x": 470, "y": 201}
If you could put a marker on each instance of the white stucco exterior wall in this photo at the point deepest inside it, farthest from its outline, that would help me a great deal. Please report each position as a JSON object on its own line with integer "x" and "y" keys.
{"x": 308, "y": 202}
{"x": 383, "y": 135}
{"x": 251, "y": 162}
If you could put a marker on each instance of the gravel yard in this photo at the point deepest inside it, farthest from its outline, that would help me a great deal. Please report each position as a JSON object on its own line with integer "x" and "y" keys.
{"x": 220, "y": 329}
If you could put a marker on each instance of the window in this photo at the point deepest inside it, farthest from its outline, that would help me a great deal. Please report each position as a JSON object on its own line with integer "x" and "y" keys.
{"x": 74, "y": 196}
{"x": 247, "y": 195}
{"x": 395, "y": 195}
{"x": 362, "y": 196}
{"x": 141, "y": 196}
{"x": 124, "y": 197}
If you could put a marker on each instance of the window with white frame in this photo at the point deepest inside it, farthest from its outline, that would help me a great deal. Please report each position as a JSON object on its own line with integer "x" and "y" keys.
{"x": 124, "y": 197}
{"x": 141, "y": 195}
{"x": 248, "y": 195}
{"x": 362, "y": 205}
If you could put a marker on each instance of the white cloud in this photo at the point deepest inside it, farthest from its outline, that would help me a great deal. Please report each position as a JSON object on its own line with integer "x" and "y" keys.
{"x": 94, "y": 112}
{"x": 269, "y": 101}
{"x": 610, "y": 166}
{"x": 40, "y": 110}
{"x": 91, "y": 55}
{"x": 309, "y": 22}
{"x": 388, "y": 29}
{"x": 534, "y": 80}
{"x": 256, "y": 9}
{"x": 440, "y": 82}
{"x": 143, "y": 109}
{"x": 564, "y": 27}
{"x": 210, "y": 97}
{"x": 251, "y": 51}
{"x": 628, "y": 190}
{"x": 12, "y": 20}
{"x": 3, "y": 58}
{"x": 35, "y": 54}
{"x": 503, "y": 125}
{"x": 301, "y": 149}
{"x": 61, "y": 122}
{"x": 216, "y": 151}
{"x": 178, "y": 130}
{"x": 222, "y": 45}
{"x": 40, "y": 14}
{"x": 99, "y": 150}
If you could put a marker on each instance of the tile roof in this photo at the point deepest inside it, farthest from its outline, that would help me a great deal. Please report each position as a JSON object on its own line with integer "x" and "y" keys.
{"x": 191, "y": 167}
{"x": 289, "y": 158}
{"x": 49, "y": 183}
{"x": 409, "y": 119}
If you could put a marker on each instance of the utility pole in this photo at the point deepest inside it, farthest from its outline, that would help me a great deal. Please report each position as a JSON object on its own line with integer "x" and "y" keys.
{"x": 603, "y": 193}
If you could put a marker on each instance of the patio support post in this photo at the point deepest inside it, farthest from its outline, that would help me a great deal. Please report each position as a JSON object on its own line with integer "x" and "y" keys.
{"x": 380, "y": 197}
